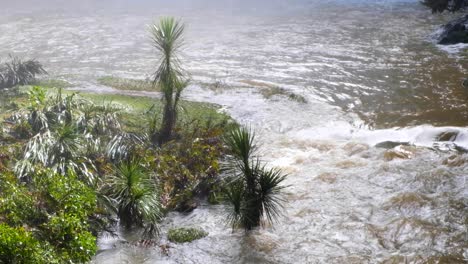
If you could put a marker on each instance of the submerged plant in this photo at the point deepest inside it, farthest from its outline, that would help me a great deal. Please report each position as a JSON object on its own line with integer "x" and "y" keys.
{"x": 137, "y": 197}
{"x": 18, "y": 72}
{"x": 169, "y": 77}
{"x": 185, "y": 234}
{"x": 254, "y": 191}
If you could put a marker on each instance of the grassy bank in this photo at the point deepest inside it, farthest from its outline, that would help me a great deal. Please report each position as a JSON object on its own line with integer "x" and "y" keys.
{"x": 98, "y": 148}
{"x": 128, "y": 84}
{"x": 268, "y": 91}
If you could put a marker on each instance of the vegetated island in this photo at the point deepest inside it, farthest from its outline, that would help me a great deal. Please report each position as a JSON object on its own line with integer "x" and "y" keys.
{"x": 76, "y": 165}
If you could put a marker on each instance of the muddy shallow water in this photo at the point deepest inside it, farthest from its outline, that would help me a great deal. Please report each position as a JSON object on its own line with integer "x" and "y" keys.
{"x": 370, "y": 74}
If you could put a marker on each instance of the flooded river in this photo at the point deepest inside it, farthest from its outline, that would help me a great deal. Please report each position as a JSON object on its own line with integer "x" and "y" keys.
{"x": 371, "y": 76}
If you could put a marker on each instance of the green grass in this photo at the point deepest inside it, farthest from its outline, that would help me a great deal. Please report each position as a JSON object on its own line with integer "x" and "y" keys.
{"x": 127, "y": 84}
{"x": 136, "y": 110}
{"x": 183, "y": 234}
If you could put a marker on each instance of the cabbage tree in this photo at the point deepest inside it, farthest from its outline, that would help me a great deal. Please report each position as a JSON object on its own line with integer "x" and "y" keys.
{"x": 167, "y": 38}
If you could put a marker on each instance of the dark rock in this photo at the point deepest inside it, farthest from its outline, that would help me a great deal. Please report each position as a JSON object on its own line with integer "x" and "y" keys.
{"x": 454, "y": 32}
{"x": 447, "y": 136}
{"x": 391, "y": 144}
{"x": 187, "y": 206}
{"x": 465, "y": 83}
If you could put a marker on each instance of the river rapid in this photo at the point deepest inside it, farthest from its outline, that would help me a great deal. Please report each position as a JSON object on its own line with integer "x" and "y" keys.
{"x": 370, "y": 73}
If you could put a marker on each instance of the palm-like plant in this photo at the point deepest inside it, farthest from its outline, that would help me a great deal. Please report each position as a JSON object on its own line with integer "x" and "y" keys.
{"x": 61, "y": 150}
{"x": 136, "y": 194}
{"x": 98, "y": 120}
{"x": 169, "y": 77}
{"x": 254, "y": 191}
{"x": 122, "y": 146}
{"x": 18, "y": 72}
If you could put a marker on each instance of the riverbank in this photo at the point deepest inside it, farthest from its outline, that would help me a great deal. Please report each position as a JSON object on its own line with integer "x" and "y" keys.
{"x": 57, "y": 143}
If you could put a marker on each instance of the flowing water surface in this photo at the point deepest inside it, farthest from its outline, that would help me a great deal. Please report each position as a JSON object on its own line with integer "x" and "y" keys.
{"x": 370, "y": 74}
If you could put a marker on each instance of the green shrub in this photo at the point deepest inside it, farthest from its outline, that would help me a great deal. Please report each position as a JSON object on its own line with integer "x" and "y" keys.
{"x": 183, "y": 234}
{"x": 69, "y": 235}
{"x": 17, "y": 205}
{"x": 57, "y": 207}
{"x": 188, "y": 167}
{"x": 19, "y": 246}
{"x": 65, "y": 193}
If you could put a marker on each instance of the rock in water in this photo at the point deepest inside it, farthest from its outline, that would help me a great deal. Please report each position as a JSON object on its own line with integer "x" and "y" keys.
{"x": 454, "y": 32}
{"x": 465, "y": 83}
{"x": 400, "y": 152}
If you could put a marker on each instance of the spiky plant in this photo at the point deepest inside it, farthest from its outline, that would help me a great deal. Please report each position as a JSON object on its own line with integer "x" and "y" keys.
{"x": 253, "y": 191}
{"x": 99, "y": 120}
{"x": 61, "y": 150}
{"x": 169, "y": 76}
{"x": 122, "y": 146}
{"x": 136, "y": 194}
{"x": 18, "y": 72}
{"x": 65, "y": 148}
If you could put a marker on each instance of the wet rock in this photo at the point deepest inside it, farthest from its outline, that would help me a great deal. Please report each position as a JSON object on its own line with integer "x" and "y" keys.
{"x": 146, "y": 243}
{"x": 263, "y": 242}
{"x": 455, "y": 160}
{"x": 187, "y": 206}
{"x": 320, "y": 146}
{"x": 465, "y": 83}
{"x": 407, "y": 201}
{"x": 346, "y": 164}
{"x": 400, "y": 152}
{"x": 447, "y": 136}
{"x": 391, "y": 144}
{"x": 454, "y": 32}
{"x": 461, "y": 149}
{"x": 327, "y": 177}
{"x": 353, "y": 148}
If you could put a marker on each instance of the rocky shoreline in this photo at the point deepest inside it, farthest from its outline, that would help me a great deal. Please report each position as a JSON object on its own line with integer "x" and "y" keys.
{"x": 454, "y": 32}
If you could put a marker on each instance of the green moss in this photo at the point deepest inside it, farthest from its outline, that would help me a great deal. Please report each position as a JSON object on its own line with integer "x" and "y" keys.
{"x": 127, "y": 84}
{"x": 269, "y": 92}
{"x": 183, "y": 234}
{"x": 53, "y": 83}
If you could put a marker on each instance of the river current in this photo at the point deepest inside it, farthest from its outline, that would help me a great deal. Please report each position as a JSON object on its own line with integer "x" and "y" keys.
{"x": 370, "y": 73}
